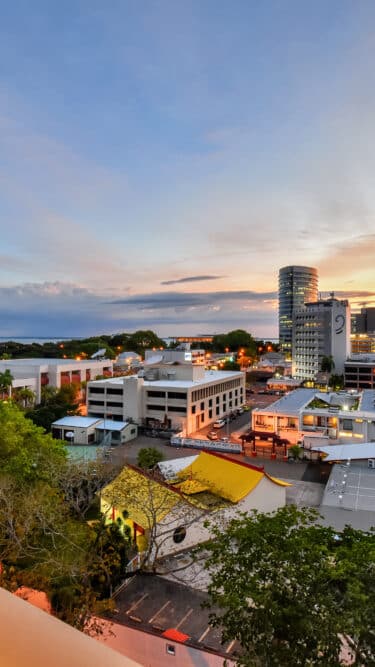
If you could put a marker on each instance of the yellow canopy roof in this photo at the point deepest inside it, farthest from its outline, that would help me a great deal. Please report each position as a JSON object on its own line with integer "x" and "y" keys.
{"x": 224, "y": 477}
{"x": 143, "y": 498}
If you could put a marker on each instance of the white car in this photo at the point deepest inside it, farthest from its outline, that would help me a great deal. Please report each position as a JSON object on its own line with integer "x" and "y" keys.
{"x": 219, "y": 423}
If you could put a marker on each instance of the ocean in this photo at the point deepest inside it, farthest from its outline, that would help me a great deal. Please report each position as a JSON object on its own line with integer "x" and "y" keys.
{"x": 36, "y": 339}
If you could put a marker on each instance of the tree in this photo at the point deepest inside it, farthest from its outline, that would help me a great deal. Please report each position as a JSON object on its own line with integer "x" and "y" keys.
{"x": 81, "y": 483}
{"x": 148, "y": 457}
{"x": 55, "y": 404}
{"x": 143, "y": 340}
{"x": 287, "y": 589}
{"x": 25, "y": 452}
{"x": 336, "y": 381}
{"x": 6, "y": 379}
{"x": 235, "y": 341}
{"x": 24, "y": 397}
{"x": 327, "y": 364}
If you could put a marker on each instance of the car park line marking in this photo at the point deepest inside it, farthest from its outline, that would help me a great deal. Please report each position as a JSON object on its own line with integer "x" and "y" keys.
{"x": 159, "y": 611}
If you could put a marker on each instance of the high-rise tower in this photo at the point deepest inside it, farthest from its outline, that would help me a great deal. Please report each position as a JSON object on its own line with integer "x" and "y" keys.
{"x": 297, "y": 285}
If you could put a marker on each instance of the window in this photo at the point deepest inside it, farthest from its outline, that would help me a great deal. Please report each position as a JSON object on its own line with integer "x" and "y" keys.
{"x": 193, "y": 409}
{"x": 113, "y": 404}
{"x": 115, "y": 392}
{"x": 347, "y": 424}
{"x": 179, "y": 535}
{"x": 181, "y": 410}
{"x": 210, "y": 403}
{"x": 177, "y": 394}
{"x": 133, "y": 431}
{"x": 156, "y": 407}
{"x": 96, "y": 402}
{"x": 171, "y": 650}
{"x": 96, "y": 390}
{"x": 202, "y": 406}
{"x": 156, "y": 394}
{"x": 210, "y": 414}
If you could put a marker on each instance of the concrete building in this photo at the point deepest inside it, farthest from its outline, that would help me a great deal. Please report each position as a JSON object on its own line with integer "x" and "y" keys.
{"x": 306, "y": 415}
{"x": 176, "y": 395}
{"x": 320, "y": 329}
{"x": 37, "y": 373}
{"x": 359, "y": 371}
{"x": 297, "y": 286}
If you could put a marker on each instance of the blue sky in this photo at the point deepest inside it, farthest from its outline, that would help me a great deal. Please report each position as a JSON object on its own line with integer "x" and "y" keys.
{"x": 159, "y": 161}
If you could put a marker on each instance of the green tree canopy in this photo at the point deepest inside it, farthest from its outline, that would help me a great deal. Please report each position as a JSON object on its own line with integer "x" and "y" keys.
{"x": 143, "y": 340}
{"x": 25, "y": 451}
{"x": 287, "y": 589}
{"x": 234, "y": 341}
{"x": 148, "y": 457}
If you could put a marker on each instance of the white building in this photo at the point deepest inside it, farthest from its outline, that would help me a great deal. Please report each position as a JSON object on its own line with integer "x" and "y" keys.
{"x": 320, "y": 329}
{"x": 342, "y": 417}
{"x": 77, "y": 430}
{"x": 37, "y": 373}
{"x": 181, "y": 395}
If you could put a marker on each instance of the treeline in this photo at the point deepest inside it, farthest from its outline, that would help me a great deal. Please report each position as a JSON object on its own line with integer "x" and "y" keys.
{"x": 139, "y": 341}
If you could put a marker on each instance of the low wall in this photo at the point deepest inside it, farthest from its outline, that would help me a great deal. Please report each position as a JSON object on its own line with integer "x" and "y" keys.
{"x": 209, "y": 445}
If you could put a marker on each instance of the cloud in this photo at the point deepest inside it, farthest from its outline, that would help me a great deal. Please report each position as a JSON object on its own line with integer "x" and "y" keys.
{"x": 190, "y": 279}
{"x": 167, "y": 300}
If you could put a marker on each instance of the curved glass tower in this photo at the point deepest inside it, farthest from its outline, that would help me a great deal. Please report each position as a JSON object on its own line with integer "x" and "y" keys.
{"x": 297, "y": 285}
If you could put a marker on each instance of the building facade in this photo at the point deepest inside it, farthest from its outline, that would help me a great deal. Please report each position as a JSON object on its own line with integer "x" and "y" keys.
{"x": 359, "y": 371}
{"x": 297, "y": 286}
{"x": 335, "y": 418}
{"x": 320, "y": 329}
{"x": 176, "y": 395}
{"x": 364, "y": 321}
{"x": 38, "y": 373}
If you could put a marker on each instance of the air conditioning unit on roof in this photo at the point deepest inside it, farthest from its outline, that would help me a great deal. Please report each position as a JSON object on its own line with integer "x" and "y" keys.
{"x": 371, "y": 463}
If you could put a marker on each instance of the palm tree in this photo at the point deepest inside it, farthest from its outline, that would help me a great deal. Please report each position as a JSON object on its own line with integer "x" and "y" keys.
{"x": 24, "y": 397}
{"x": 6, "y": 379}
{"x": 327, "y": 364}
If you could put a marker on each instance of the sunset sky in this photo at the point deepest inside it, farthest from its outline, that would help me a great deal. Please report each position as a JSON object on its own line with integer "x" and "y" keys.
{"x": 161, "y": 160}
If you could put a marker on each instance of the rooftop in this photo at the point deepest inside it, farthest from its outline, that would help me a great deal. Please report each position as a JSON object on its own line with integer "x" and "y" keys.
{"x": 209, "y": 376}
{"x": 77, "y": 421}
{"x": 111, "y": 425}
{"x": 367, "y": 401}
{"x": 290, "y": 404}
{"x": 159, "y": 606}
{"x": 41, "y": 361}
{"x": 352, "y": 452}
{"x": 351, "y": 487}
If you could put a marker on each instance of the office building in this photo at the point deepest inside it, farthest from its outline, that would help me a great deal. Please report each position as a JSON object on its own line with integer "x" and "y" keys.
{"x": 297, "y": 285}
{"x": 363, "y": 322}
{"x": 175, "y": 395}
{"x": 320, "y": 329}
{"x": 359, "y": 371}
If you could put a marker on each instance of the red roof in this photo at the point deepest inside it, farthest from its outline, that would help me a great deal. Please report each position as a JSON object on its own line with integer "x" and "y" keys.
{"x": 175, "y": 635}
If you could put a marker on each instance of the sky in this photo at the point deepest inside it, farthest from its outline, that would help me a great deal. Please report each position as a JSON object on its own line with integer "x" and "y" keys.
{"x": 161, "y": 160}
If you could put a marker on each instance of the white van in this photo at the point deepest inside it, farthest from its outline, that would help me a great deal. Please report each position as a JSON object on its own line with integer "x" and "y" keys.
{"x": 219, "y": 423}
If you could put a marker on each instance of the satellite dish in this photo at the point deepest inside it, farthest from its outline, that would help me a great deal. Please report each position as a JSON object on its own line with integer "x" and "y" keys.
{"x": 99, "y": 354}
{"x": 156, "y": 359}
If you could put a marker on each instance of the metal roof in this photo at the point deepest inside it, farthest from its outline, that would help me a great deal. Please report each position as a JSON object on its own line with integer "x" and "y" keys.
{"x": 290, "y": 404}
{"x": 364, "y": 450}
{"x": 77, "y": 421}
{"x": 367, "y": 403}
{"x": 111, "y": 425}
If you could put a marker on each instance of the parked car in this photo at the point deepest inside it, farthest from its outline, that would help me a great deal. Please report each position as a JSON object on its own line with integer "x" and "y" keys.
{"x": 240, "y": 410}
{"x": 219, "y": 423}
{"x": 212, "y": 435}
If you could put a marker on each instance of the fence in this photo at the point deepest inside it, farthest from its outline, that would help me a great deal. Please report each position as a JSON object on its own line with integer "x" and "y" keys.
{"x": 210, "y": 445}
